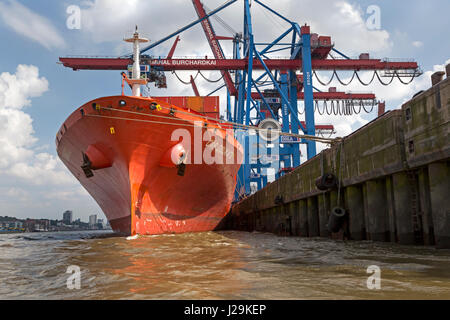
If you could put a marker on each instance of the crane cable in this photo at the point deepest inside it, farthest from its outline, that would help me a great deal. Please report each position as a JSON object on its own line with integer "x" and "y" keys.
{"x": 195, "y": 77}
{"x": 306, "y": 137}
{"x": 375, "y": 74}
{"x": 221, "y": 21}
{"x": 185, "y": 82}
{"x": 341, "y": 107}
{"x": 212, "y": 81}
{"x": 189, "y": 123}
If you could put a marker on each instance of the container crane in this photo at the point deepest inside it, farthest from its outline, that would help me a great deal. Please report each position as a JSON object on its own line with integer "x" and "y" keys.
{"x": 308, "y": 53}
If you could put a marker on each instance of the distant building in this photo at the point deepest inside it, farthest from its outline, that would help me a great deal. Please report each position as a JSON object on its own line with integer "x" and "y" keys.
{"x": 92, "y": 220}
{"x": 32, "y": 225}
{"x": 42, "y": 225}
{"x": 67, "y": 217}
{"x": 12, "y": 224}
{"x": 18, "y": 224}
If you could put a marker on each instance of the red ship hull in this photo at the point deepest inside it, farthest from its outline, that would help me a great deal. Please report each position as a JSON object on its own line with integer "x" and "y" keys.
{"x": 118, "y": 147}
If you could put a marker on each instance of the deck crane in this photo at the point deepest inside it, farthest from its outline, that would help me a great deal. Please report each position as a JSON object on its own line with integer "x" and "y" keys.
{"x": 307, "y": 53}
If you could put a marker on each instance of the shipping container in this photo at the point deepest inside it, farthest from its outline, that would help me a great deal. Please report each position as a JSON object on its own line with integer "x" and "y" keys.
{"x": 211, "y": 104}
{"x": 195, "y": 103}
{"x": 208, "y": 104}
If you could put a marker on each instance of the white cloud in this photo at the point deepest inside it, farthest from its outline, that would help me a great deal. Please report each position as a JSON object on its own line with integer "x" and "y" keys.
{"x": 417, "y": 44}
{"x": 30, "y": 24}
{"x": 20, "y": 193}
{"x": 344, "y": 22}
{"x": 42, "y": 169}
{"x": 17, "y": 156}
{"x": 33, "y": 183}
{"x": 110, "y": 21}
{"x": 16, "y": 89}
{"x": 16, "y": 136}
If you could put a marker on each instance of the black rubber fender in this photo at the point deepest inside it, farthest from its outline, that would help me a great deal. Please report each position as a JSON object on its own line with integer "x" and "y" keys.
{"x": 326, "y": 182}
{"x": 336, "y": 219}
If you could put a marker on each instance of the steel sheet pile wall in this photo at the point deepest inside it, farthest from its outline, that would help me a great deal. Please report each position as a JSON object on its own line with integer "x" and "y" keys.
{"x": 395, "y": 182}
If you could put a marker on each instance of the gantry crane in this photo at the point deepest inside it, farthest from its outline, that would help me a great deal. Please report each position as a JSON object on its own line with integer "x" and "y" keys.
{"x": 290, "y": 79}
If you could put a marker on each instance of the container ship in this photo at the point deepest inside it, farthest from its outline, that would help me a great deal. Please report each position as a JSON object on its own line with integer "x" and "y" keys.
{"x": 143, "y": 158}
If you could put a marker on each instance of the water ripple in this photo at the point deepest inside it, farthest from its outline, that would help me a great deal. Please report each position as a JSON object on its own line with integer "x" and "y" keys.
{"x": 216, "y": 265}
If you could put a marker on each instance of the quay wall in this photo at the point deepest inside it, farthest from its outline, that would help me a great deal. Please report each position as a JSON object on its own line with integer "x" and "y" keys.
{"x": 393, "y": 182}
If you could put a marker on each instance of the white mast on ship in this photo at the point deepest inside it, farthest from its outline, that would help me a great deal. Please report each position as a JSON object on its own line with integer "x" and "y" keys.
{"x": 136, "y": 72}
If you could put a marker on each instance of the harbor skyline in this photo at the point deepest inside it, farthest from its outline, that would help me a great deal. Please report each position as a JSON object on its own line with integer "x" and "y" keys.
{"x": 37, "y": 224}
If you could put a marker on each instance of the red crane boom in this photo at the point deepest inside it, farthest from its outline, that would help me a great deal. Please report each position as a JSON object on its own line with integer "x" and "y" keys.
{"x": 214, "y": 44}
{"x": 236, "y": 64}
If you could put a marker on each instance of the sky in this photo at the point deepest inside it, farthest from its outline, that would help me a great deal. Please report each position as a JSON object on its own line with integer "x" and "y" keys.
{"x": 37, "y": 94}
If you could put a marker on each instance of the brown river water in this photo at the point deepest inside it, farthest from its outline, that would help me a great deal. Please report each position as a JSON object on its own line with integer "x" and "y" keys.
{"x": 215, "y": 265}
